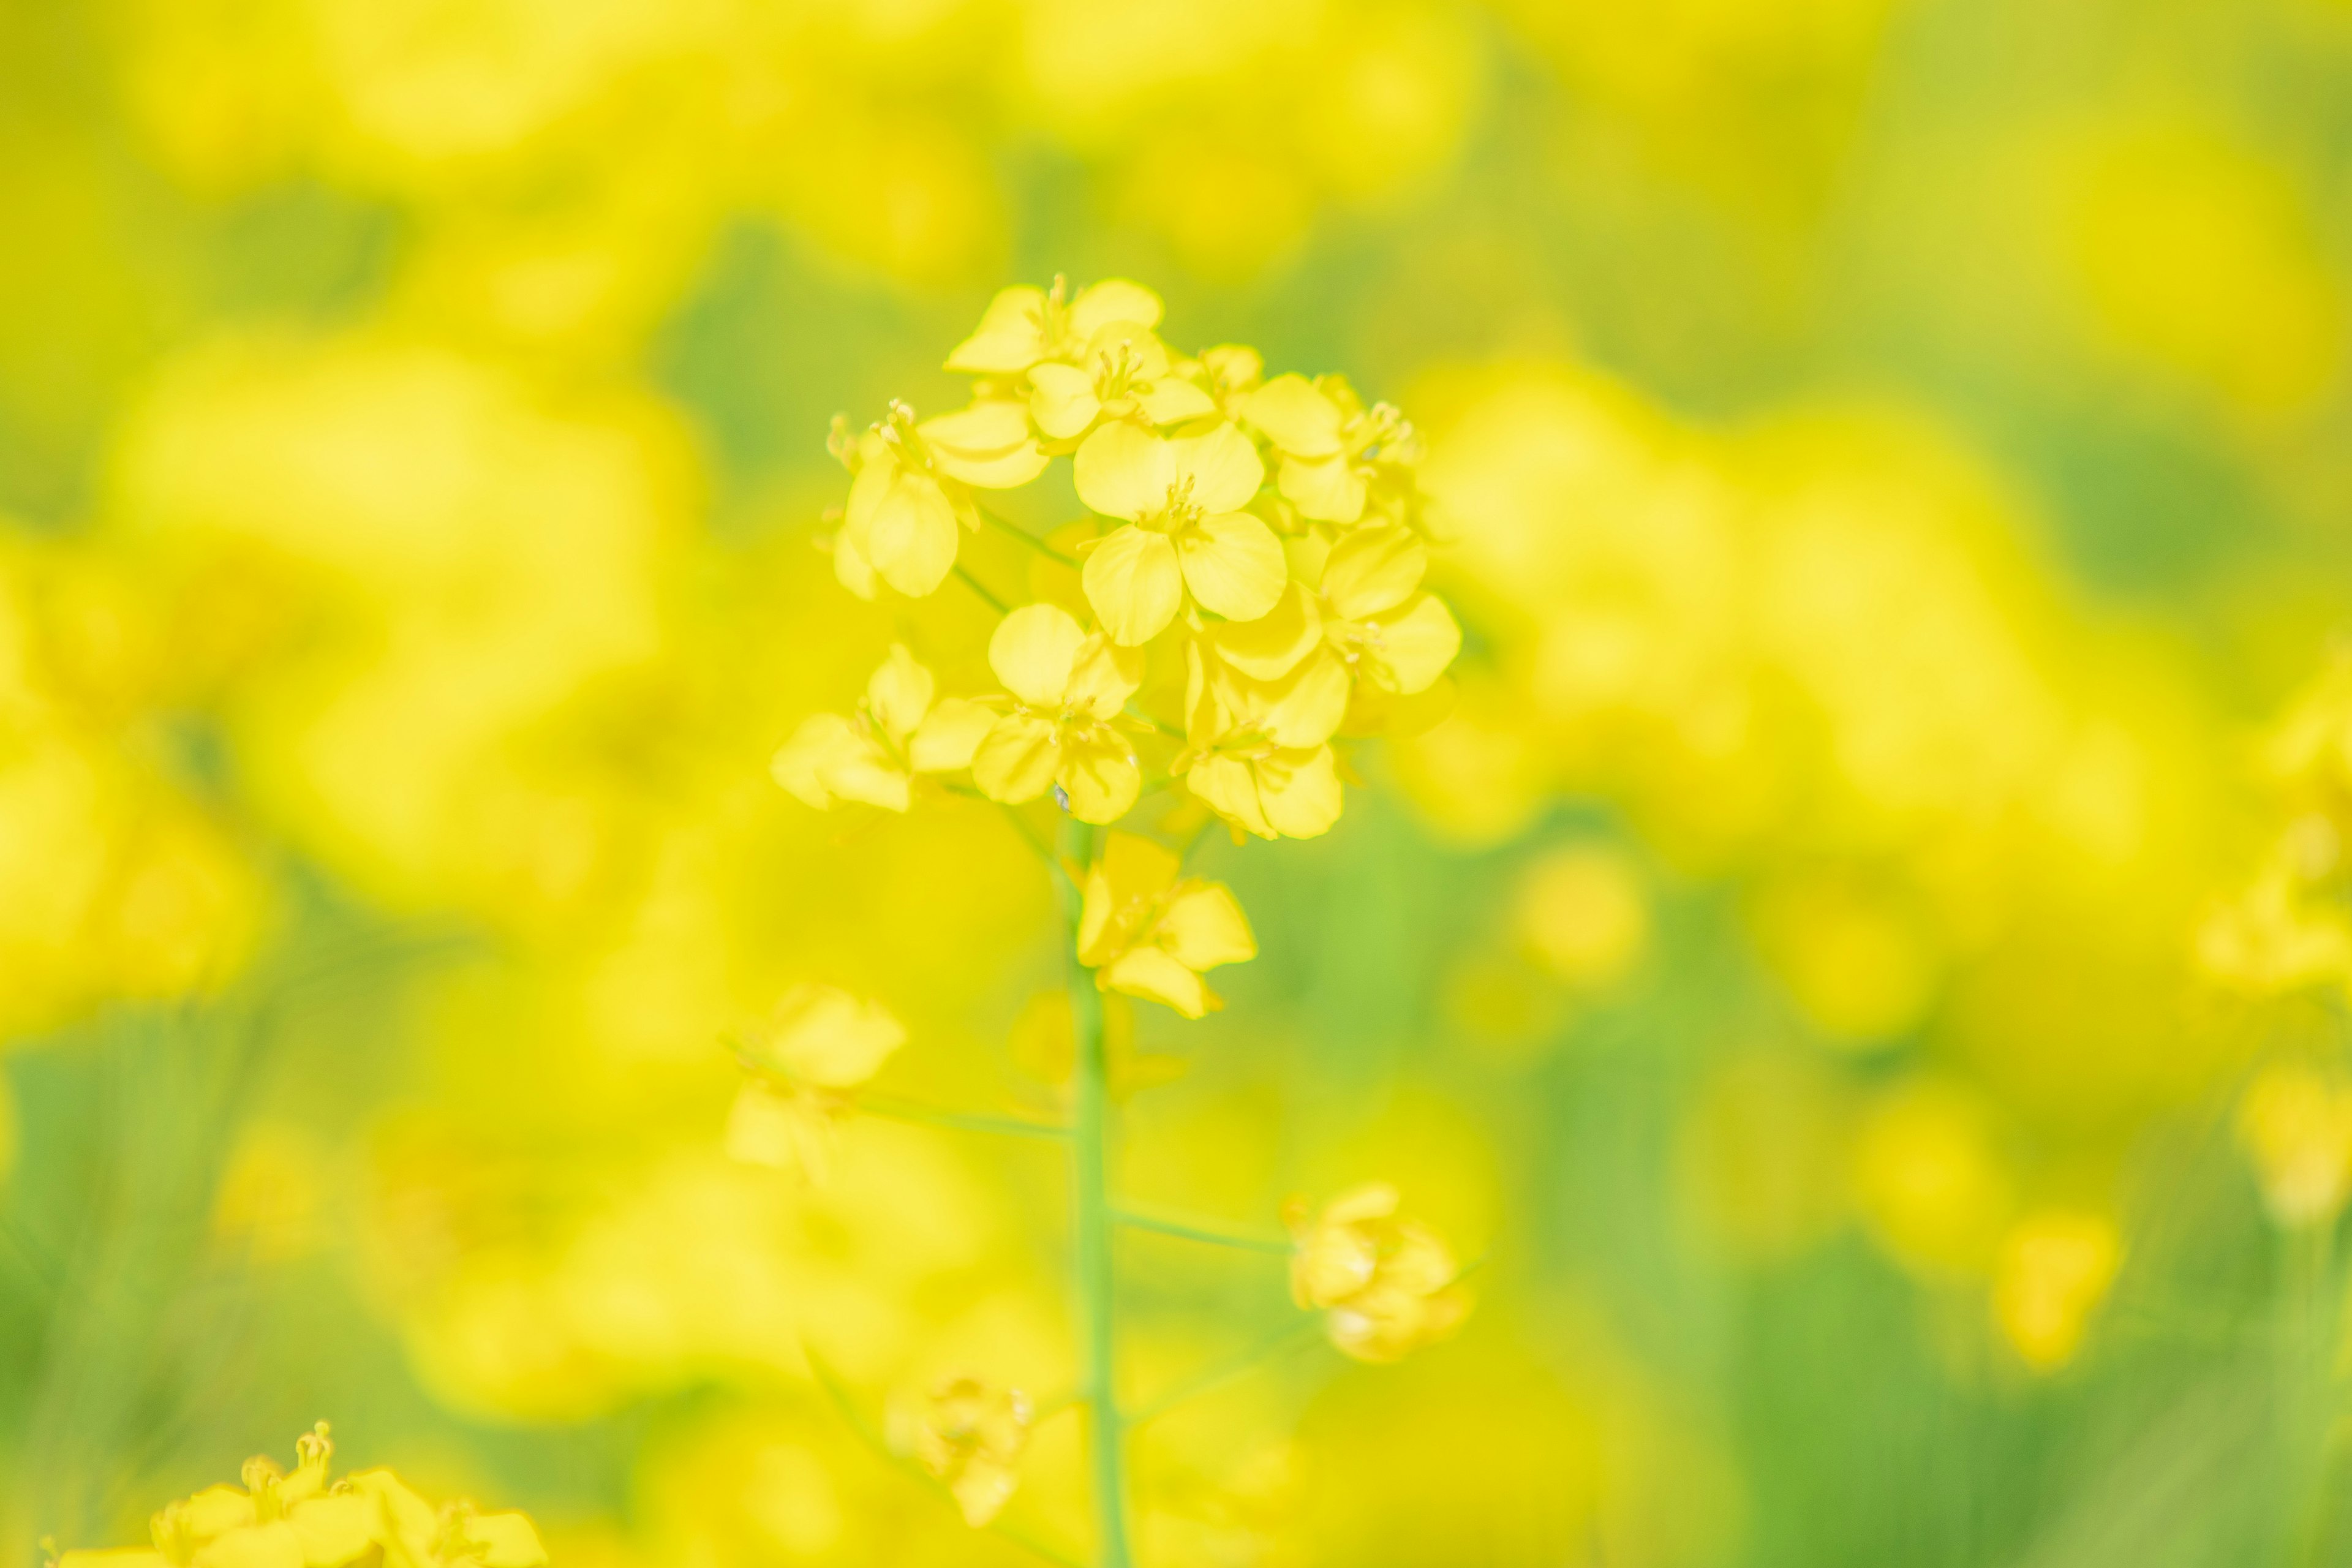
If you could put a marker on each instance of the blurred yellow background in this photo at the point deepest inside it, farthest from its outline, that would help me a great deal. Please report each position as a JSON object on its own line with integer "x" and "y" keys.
{"x": 1898, "y": 455}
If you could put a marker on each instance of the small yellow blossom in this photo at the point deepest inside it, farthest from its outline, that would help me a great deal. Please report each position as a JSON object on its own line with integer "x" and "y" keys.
{"x": 1180, "y": 499}
{"x": 818, "y": 1046}
{"x": 1229, "y": 374}
{"x": 1395, "y": 639}
{"x": 972, "y": 1436}
{"x": 2054, "y": 1271}
{"x": 899, "y": 731}
{"x": 1068, "y": 688}
{"x": 912, "y": 487}
{"x": 1148, "y": 930}
{"x": 1257, "y": 751}
{"x": 1337, "y": 457}
{"x": 276, "y": 1519}
{"x": 1389, "y": 1285}
{"x": 1024, "y": 326}
{"x": 1124, "y": 374}
{"x": 2295, "y": 1125}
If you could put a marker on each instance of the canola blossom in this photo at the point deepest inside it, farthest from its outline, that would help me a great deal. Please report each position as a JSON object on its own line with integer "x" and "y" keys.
{"x": 1267, "y": 538}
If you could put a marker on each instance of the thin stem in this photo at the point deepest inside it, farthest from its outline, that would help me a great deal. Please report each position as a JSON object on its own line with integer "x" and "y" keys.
{"x": 1224, "y": 1371}
{"x": 981, "y": 588}
{"x": 1203, "y": 1234}
{"x": 1029, "y": 837}
{"x": 1089, "y": 1173}
{"x": 898, "y": 1110}
{"x": 1169, "y": 730}
{"x": 1027, "y": 537}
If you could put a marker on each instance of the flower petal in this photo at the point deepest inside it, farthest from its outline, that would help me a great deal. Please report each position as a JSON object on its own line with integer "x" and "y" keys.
{"x": 1295, "y": 416}
{"x": 911, "y": 539}
{"x": 1113, "y": 300}
{"x": 1132, "y": 579}
{"x": 1204, "y": 927}
{"x": 1061, "y": 400}
{"x": 949, "y": 735}
{"x": 1100, "y": 778}
{"x": 1327, "y": 490}
{"x": 1104, "y": 676}
{"x": 1415, "y": 646}
{"x": 1234, "y": 565}
{"x": 1031, "y": 651}
{"x": 799, "y": 765}
{"x": 1300, "y": 791}
{"x": 1124, "y": 471}
{"x": 1149, "y": 973}
{"x": 1170, "y": 401}
{"x": 1222, "y": 465}
{"x": 1010, "y": 338}
{"x": 899, "y": 693}
{"x": 1017, "y": 760}
{"x": 1229, "y": 786}
{"x": 1270, "y": 646}
{"x": 1306, "y": 706}
{"x": 1371, "y": 570}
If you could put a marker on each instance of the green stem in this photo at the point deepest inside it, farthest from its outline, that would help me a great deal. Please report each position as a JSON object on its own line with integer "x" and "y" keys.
{"x": 1201, "y": 1234}
{"x": 981, "y": 588}
{"x": 1027, "y": 537}
{"x": 1090, "y": 1173}
{"x": 1292, "y": 1336}
{"x": 897, "y": 1110}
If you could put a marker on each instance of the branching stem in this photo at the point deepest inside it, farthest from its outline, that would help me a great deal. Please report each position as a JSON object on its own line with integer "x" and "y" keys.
{"x": 1206, "y": 1235}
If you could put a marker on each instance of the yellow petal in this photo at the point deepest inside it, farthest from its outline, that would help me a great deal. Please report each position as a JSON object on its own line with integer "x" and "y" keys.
{"x": 801, "y": 763}
{"x": 1104, "y": 676}
{"x": 1010, "y": 338}
{"x": 1061, "y": 400}
{"x": 1296, "y": 416}
{"x": 1133, "y": 578}
{"x": 1125, "y": 472}
{"x": 1222, "y": 465}
{"x": 911, "y": 536}
{"x": 1031, "y": 651}
{"x": 1229, "y": 787}
{"x": 1306, "y": 706}
{"x": 759, "y": 1128}
{"x": 863, "y": 772}
{"x": 1372, "y": 570}
{"x": 822, "y": 1035}
{"x": 1270, "y": 646}
{"x": 334, "y": 1530}
{"x": 272, "y": 1545}
{"x": 1415, "y": 647}
{"x": 1017, "y": 759}
{"x": 1234, "y": 565}
{"x": 1131, "y": 872}
{"x": 1153, "y": 975}
{"x": 505, "y": 1541}
{"x": 899, "y": 693}
{"x": 1170, "y": 401}
{"x": 988, "y": 425}
{"x": 1300, "y": 791}
{"x": 951, "y": 732}
{"x": 851, "y": 569}
{"x": 1113, "y": 300}
{"x": 1005, "y": 470}
{"x": 1328, "y": 490}
{"x": 1204, "y": 927}
{"x": 1100, "y": 778}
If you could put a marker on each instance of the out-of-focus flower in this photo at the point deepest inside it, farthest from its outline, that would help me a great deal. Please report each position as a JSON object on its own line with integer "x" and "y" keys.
{"x": 2295, "y": 1123}
{"x": 817, "y": 1046}
{"x": 2279, "y": 933}
{"x": 1389, "y": 1285}
{"x": 2054, "y": 1269}
{"x": 912, "y": 489}
{"x": 899, "y": 731}
{"x": 1149, "y": 931}
{"x": 1580, "y": 913}
{"x": 275, "y": 1519}
{"x": 1068, "y": 688}
{"x": 1928, "y": 1180}
{"x": 1180, "y": 500}
{"x": 970, "y": 1434}
{"x": 1025, "y": 326}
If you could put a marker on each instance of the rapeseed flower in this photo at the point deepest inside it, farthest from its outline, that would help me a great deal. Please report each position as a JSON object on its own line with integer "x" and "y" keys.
{"x": 1064, "y": 730}
{"x": 1125, "y": 374}
{"x": 970, "y": 1435}
{"x": 912, "y": 490}
{"x": 801, "y": 1067}
{"x": 1257, "y": 753}
{"x": 901, "y": 730}
{"x": 2054, "y": 1269}
{"x": 1023, "y": 327}
{"x": 1180, "y": 499}
{"x": 2294, "y": 1123}
{"x": 1147, "y": 929}
{"x": 1338, "y": 456}
{"x": 1389, "y": 1286}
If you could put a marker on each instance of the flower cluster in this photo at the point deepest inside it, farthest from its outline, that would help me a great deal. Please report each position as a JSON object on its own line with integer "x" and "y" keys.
{"x": 1271, "y": 534}
{"x": 300, "y": 1519}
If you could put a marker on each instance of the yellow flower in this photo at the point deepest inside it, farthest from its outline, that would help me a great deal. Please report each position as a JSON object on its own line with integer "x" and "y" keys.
{"x": 1337, "y": 457}
{"x": 1395, "y": 639}
{"x": 819, "y": 1045}
{"x": 1257, "y": 751}
{"x": 1124, "y": 374}
{"x": 912, "y": 485}
{"x": 970, "y": 1437}
{"x": 1023, "y": 327}
{"x": 1229, "y": 374}
{"x": 1145, "y": 929}
{"x": 2295, "y": 1125}
{"x": 280, "y": 1521}
{"x": 1067, "y": 689}
{"x": 2054, "y": 1269}
{"x": 897, "y": 732}
{"x": 1180, "y": 499}
{"x": 1389, "y": 1285}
